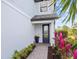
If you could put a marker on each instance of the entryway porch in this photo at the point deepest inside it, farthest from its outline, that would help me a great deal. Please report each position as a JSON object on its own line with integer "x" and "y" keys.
{"x": 44, "y": 27}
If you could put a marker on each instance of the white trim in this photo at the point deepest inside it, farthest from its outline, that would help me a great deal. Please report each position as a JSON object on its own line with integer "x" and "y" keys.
{"x": 15, "y": 8}
{"x": 42, "y": 22}
{"x": 52, "y": 30}
{"x": 0, "y": 30}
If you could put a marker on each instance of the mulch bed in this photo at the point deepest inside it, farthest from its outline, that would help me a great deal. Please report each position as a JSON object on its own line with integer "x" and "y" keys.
{"x": 52, "y": 53}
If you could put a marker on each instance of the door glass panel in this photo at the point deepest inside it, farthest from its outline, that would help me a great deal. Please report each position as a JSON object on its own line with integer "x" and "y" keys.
{"x": 45, "y": 32}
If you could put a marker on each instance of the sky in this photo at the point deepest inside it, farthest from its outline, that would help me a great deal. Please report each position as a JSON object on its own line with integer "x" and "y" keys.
{"x": 58, "y": 22}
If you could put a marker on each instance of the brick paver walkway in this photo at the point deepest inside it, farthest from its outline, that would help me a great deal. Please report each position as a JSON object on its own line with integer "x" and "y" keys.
{"x": 40, "y": 52}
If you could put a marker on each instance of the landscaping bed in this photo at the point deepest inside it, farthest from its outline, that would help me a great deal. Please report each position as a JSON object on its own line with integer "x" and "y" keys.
{"x": 53, "y": 53}
{"x": 24, "y": 53}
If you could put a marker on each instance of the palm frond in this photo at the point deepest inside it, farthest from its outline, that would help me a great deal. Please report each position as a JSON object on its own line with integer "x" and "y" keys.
{"x": 53, "y": 2}
{"x": 67, "y": 6}
{"x": 70, "y": 6}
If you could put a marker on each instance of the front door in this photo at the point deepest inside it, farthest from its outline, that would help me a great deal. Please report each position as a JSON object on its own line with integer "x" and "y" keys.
{"x": 45, "y": 29}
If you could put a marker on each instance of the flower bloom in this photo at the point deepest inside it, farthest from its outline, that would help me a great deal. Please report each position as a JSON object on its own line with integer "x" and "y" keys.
{"x": 62, "y": 45}
{"x": 55, "y": 34}
{"x": 68, "y": 47}
{"x": 61, "y": 36}
{"x": 75, "y": 54}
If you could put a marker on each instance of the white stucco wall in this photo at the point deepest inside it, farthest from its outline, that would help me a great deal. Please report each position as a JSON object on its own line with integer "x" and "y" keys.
{"x": 16, "y": 31}
{"x": 27, "y": 6}
{"x": 31, "y": 6}
{"x": 50, "y": 8}
{"x": 38, "y": 31}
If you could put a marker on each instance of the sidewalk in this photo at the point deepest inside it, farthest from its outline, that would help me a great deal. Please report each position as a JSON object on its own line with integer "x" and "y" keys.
{"x": 40, "y": 52}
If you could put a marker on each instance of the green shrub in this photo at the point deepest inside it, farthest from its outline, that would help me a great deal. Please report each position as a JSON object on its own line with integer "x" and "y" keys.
{"x": 74, "y": 46}
{"x": 29, "y": 50}
{"x": 74, "y": 31}
{"x": 16, "y": 55}
{"x": 33, "y": 46}
{"x": 24, "y": 52}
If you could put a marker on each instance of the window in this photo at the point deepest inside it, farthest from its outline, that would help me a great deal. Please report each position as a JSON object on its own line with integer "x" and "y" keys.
{"x": 43, "y": 9}
{"x": 43, "y": 6}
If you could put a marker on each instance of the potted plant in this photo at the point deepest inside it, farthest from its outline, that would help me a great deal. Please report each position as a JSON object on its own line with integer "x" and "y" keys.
{"x": 36, "y": 38}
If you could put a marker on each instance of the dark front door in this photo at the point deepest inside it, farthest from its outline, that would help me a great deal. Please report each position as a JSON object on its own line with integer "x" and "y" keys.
{"x": 45, "y": 28}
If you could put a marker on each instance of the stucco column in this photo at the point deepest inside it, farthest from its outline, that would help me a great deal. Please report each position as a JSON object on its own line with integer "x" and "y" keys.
{"x": 52, "y": 30}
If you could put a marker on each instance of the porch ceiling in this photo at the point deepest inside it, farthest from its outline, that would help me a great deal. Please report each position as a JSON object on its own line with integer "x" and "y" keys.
{"x": 45, "y": 17}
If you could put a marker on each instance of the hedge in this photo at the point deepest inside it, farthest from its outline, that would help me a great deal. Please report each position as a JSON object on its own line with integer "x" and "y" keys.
{"x": 24, "y": 53}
